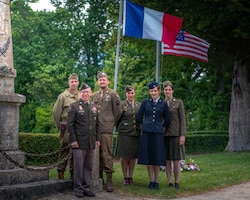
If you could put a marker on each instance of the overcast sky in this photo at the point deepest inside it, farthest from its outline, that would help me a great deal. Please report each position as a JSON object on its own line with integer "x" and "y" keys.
{"x": 41, "y": 5}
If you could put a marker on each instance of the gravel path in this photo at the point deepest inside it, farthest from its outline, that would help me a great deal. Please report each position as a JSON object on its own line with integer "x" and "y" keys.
{"x": 239, "y": 192}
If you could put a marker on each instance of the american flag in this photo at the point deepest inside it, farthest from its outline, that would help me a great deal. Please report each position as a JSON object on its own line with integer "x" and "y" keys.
{"x": 188, "y": 45}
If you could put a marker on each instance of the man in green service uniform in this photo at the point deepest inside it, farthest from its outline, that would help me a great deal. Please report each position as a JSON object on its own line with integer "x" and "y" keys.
{"x": 109, "y": 111}
{"x": 60, "y": 114}
{"x": 83, "y": 130}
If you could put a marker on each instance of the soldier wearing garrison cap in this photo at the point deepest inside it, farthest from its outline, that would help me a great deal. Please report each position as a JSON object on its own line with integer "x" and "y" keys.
{"x": 101, "y": 75}
{"x": 128, "y": 133}
{"x": 84, "y": 135}
{"x": 174, "y": 136}
{"x": 107, "y": 102}
{"x": 60, "y": 114}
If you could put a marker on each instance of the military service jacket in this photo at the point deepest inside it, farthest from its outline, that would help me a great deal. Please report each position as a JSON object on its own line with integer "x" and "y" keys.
{"x": 83, "y": 124}
{"x": 156, "y": 116}
{"x": 109, "y": 110}
{"x": 61, "y": 107}
{"x": 177, "y": 126}
{"x": 127, "y": 122}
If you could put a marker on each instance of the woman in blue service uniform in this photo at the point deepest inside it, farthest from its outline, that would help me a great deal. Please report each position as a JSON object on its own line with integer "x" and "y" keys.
{"x": 154, "y": 117}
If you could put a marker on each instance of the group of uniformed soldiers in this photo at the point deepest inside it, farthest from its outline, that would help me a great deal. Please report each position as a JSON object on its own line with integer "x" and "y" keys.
{"x": 107, "y": 104}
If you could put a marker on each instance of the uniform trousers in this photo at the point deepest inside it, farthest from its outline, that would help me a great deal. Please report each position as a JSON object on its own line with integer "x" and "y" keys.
{"x": 64, "y": 152}
{"x": 106, "y": 161}
{"x": 83, "y": 164}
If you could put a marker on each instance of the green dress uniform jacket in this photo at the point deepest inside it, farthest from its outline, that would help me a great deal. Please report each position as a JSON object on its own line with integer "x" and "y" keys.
{"x": 177, "y": 126}
{"x": 127, "y": 122}
{"x": 61, "y": 107}
{"x": 128, "y": 139}
{"x": 83, "y": 124}
{"x": 109, "y": 110}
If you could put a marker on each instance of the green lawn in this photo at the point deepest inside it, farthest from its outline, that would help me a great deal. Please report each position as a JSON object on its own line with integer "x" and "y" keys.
{"x": 217, "y": 170}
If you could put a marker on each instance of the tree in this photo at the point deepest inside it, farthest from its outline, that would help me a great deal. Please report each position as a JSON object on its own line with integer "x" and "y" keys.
{"x": 225, "y": 24}
{"x": 37, "y": 44}
{"x": 87, "y": 23}
{"x": 194, "y": 81}
{"x": 48, "y": 46}
{"x": 80, "y": 36}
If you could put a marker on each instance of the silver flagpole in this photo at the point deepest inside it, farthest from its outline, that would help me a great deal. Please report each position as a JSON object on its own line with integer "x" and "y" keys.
{"x": 157, "y": 61}
{"x": 118, "y": 45}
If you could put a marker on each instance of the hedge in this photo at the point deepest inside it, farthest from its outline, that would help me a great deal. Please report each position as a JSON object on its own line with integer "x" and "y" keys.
{"x": 205, "y": 143}
{"x": 42, "y": 143}
{"x": 39, "y": 143}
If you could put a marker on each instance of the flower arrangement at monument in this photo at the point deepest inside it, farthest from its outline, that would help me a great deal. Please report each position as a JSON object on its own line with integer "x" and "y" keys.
{"x": 190, "y": 165}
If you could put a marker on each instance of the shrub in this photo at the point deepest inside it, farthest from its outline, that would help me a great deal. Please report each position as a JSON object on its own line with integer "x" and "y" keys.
{"x": 39, "y": 144}
{"x": 43, "y": 143}
{"x": 205, "y": 143}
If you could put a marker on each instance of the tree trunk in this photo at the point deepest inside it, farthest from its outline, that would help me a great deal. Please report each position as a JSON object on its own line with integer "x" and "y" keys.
{"x": 239, "y": 120}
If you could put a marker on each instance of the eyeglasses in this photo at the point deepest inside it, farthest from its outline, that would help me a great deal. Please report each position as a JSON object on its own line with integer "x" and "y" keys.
{"x": 85, "y": 91}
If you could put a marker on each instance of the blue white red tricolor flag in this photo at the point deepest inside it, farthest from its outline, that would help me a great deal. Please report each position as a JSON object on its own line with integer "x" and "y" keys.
{"x": 142, "y": 22}
{"x": 188, "y": 45}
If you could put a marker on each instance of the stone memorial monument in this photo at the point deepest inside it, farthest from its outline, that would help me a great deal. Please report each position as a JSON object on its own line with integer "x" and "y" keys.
{"x": 15, "y": 182}
{"x": 9, "y": 101}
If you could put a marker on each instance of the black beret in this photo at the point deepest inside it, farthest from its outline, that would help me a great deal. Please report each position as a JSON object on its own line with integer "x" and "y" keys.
{"x": 152, "y": 85}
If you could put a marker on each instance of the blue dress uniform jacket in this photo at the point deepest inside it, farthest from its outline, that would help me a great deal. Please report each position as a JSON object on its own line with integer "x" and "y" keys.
{"x": 83, "y": 124}
{"x": 156, "y": 116}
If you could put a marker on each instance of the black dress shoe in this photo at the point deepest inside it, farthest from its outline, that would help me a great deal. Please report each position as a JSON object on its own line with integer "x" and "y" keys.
{"x": 177, "y": 186}
{"x": 79, "y": 194}
{"x": 125, "y": 181}
{"x": 155, "y": 185}
{"x": 130, "y": 181}
{"x": 170, "y": 185}
{"x": 89, "y": 194}
{"x": 150, "y": 186}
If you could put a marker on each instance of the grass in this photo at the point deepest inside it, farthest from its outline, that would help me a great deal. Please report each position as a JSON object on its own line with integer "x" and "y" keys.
{"x": 217, "y": 171}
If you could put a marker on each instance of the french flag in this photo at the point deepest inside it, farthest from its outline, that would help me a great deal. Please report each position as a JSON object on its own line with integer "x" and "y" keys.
{"x": 142, "y": 22}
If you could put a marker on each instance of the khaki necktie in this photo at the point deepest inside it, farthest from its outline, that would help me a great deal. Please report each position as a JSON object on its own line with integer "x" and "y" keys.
{"x": 101, "y": 93}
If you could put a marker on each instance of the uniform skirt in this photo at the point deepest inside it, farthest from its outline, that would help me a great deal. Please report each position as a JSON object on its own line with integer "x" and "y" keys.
{"x": 127, "y": 146}
{"x": 174, "y": 151}
{"x": 152, "y": 150}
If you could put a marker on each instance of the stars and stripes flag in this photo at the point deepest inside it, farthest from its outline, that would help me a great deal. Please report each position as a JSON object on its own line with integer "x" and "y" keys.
{"x": 188, "y": 45}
